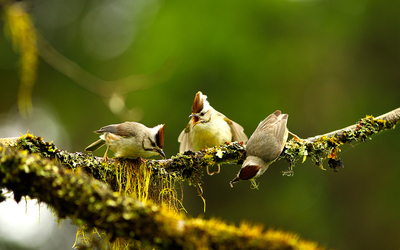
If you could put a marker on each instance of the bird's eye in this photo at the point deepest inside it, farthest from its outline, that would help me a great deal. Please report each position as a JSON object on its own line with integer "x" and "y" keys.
{"x": 153, "y": 144}
{"x": 202, "y": 113}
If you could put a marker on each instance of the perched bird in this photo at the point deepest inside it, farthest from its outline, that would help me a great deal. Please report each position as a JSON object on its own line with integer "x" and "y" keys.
{"x": 208, "y": 128}
{"x": 264, "y": 146}
{"x": 130, "y": 139}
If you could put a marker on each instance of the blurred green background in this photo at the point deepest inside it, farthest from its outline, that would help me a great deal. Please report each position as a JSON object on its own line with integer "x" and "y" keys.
{"x": 325, "y": 63}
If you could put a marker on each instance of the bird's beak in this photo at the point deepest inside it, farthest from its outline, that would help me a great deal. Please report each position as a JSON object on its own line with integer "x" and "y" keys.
{"x": 195, "y": 118}
{"x": 161, "y": 152}
{"x": 236, "y": 179}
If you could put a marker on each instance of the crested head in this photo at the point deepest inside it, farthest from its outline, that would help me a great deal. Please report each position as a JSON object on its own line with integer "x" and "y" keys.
{"x": 159, "y": 135}
{"x": 200, "y": 103}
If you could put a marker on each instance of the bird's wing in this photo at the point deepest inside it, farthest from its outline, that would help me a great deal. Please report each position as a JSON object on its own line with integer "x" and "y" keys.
{"x": 126, "y": 129}
{"x": 272, "y": 130}
{"x": 267, "y": 122}
{"x": 281, "y": 131}
{"x": 237, "y": 131}
{"x": 184, "y": 139}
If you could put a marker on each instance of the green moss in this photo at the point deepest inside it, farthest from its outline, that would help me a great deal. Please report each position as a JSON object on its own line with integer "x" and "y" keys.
{"x": 294, "y": 151}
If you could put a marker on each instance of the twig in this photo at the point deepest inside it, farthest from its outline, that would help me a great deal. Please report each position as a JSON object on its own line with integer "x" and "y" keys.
{"x": 93, "y": 83}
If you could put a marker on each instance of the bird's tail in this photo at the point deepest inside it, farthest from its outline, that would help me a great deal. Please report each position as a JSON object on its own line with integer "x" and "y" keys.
{"x": 95, "y": 145}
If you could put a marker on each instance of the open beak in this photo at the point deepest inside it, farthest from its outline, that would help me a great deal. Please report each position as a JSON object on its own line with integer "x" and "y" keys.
{"x": 195, "y": 118}
{"x": 161, "y": 152}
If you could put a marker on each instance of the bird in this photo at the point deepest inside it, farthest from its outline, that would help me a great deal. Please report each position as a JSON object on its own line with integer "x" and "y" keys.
{"x": 130, "y": 140}
{"x": 208, "y": 128}
{"x": 264, "y": 146}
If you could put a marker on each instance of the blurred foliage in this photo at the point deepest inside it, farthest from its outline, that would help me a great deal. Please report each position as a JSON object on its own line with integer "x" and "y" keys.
{"x": 325, "y": 63}
{"x": 19, "y": 27}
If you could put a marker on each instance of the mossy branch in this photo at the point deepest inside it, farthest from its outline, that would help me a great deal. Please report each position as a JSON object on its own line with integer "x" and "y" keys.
{"x": 76, "y": 195}
{"x": 360, "y": 130}
{"x": 188, "y": 165}
{"x": 326, "y": 147}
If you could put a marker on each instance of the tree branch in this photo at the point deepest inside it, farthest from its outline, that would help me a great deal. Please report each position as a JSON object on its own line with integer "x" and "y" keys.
{"x": 323, "y": 147}
{"x": 388, "y": 121}
{"x": 188, "y": 165}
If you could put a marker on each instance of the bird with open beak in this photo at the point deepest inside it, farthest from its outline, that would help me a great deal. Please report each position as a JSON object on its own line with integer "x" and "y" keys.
{"x": 264, "y": 146}
{"x": 208, "y": 128}
{"x": 130, "y": 139}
